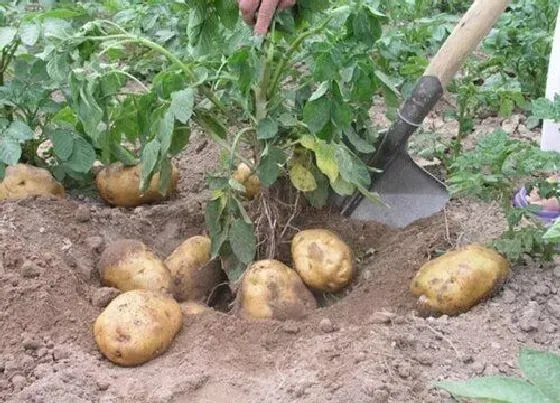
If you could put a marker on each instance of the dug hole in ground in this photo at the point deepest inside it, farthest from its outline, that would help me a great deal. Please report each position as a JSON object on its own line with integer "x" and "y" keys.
{"x": 369, "y": 346}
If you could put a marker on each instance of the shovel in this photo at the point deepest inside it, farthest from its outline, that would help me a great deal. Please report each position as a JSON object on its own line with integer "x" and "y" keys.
{"x": 407, "y": 190}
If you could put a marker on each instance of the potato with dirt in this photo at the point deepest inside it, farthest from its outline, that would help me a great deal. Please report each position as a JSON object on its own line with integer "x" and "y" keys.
{"x": 22, "y": 181}
{"x": 271, "y": 290}
{"x": 119, "y": 186}
{"x": 190, "y": 308}
{"x": 251, "y": 181}
{"x": 322, "y": 260}
{"x": 455, "y": 282}
{"x": 137, "y": 326}
{"x": 193, "y": 273}
{"x": 128, "y": 264}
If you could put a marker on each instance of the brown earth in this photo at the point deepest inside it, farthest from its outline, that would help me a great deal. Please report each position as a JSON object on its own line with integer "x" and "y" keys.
{"x": 369, "y": 346}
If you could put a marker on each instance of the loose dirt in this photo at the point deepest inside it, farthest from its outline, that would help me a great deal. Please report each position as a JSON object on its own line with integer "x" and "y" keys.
{"x": 365, "y": 346}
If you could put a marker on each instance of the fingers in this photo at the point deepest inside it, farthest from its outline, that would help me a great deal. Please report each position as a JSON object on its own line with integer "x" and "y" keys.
{"x": 248, "y": 9}
{"x": 266, "y": 13}
{"x": 286, "y": 4}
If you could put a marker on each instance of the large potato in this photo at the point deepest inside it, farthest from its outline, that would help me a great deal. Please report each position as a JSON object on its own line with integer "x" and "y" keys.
{"x": 251, "y": 181}
{"x": 127, "y": 264}
{"x": 271, "y": 290}
{"x": 137, "y": 326}
{"x": 119, "y": 186}
{"x": 322, "y": 259}
{"x": 21, "y": 181}
{"x": 453, "y": 283}
{"x": 194, "y": 275}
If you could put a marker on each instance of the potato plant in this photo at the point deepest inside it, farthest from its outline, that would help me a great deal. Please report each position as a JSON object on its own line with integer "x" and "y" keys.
{"x": 291, "y": 105}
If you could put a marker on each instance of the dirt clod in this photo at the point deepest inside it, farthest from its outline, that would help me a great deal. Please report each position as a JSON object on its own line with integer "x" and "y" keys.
{"x": 102, "y": 296}
{"x": 327, "y": 326}
{"x": 290, "y": 328}
{"x": 381, "y": 318}
{"x": 83, "y": 214}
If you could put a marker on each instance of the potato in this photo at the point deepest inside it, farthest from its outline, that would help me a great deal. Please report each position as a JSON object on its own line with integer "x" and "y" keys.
{"x": 271, "y": 290}
{"x": 453, "y": 283}
{"x": 21, "y": 181}
{"x": 137, "y": 326}
{"x": 119, "y": 186}
{"x": 194, "y": 308}
{"x": 322, "y": 259}
{"x": 194, "y": 275}
{"x": 250, "y": 181}
{"x": 127, "y": 264}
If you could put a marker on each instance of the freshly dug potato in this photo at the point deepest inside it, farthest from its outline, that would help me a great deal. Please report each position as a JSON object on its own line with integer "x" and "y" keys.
{"x": 453, "y": 283}
{"x": 127, "y": 264}
{"x": 21, "y": 181}
{"x": 194, "y": 275}
{"x": 322, "y": 259}
{"x": 118, "y": 185}
{"x": 271, "y": 290}
{"x": 250, "y": 181}
{"x": 137, "y": 326}
{"x": 194, "y": 308}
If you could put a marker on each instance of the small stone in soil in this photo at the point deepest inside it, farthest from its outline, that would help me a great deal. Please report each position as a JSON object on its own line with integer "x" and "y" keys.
{"x": 291, "y": 328}
{"x": 530, "y": 317}
{"x": 103, "y": 385}
{"x": 30, "y": 269}
{"x": 478, "y": 367}
{"x": 326, "y": 326}
{"x": 381, "y": 318}
{"x": 82, "y": 214}
{"x": 60, "y": 354}
{"x": 425, "y": 359}
{"x": 103, "y": 296}
{"x": 557, "y": 272}
{"x": 29, "y": 343}
{"x": 95, "y": 243}
{"x": 553, "y": 306}
{"x": 19, "y": 382}
{"x": 550, "y": 328}
{"x": 403, "y": 370}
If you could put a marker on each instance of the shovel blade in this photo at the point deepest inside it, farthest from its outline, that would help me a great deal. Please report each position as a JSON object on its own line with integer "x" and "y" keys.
{"x": 409, "y": 191}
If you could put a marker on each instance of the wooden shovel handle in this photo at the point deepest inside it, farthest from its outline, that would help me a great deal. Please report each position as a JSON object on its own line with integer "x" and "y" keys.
{"x": 466, "y": 36}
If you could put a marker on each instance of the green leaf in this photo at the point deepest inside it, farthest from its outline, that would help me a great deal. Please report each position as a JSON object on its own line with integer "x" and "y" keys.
{"x": 10, "y": 151}
{"x": 542, "y": 369}
{"x": 342, "y": 115}
{"x": 19, "y": 131}
{"x": 302, "y": 178}
{"x": 212, "y": 217}
{"x": 243, "y": 241}
{"x": 182, "y": 104}
{"x": 7, "y": 35}
{"x": 29, "y": 33}
{"x": 553, "y": 233}
{"x": 319, "y": 197}
{"x": 164, "y": 131}
{"x": 267, "y": 129}
{"x": 83, "y": 156}
{"x": 326, "y": 160}
{"x": 2, "y": 170}
{"x": 361, "y": 145}
{"x": 342, "y": 187}
{"x": 317, "y": 113}
{"x": 63, "y": 143}
{"x": 148, "y": 160}
{"x": 165, "y": 175}
{"x": 352, "y": 169}
{"x": 268, "y": 170}
{"x": 319, "y": 92}
{"x": 181, "y": 137}
{"x": 494, "y": 388}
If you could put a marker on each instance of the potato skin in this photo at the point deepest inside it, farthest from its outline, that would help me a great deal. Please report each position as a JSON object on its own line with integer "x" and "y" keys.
{"x": 453, "y": 283}
{"x": 22, "y": 180}
{"x": 190, "y": 308}
{"x": 271, "y": 290}
{"x": 137, "y": 326}
{"x": 118, "y": 186}
{"x": 127, "y": 264}
{"x": 322, "y": 259}
{"x": 194, "y": 276}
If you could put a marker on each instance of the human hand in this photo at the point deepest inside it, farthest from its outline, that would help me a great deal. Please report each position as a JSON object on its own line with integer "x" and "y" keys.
{"x": 260, "y": 12}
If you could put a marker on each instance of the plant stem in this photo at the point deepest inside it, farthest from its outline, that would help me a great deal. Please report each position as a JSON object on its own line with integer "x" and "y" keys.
{"x": 289, "y": 53}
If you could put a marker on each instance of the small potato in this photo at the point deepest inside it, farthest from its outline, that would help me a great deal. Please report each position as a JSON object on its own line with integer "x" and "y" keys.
{"x": 137, "y": 326}
{"x": 21, "y": 181}
{"x": 250, "y": 181}
{"x": 194, "y": 308}
{"x": 119, "y": 186}
{"x": 194, "y": 275}
{"x": 322, "y": 259}
{"x": 453, "y": 283}
{"x": 127, "y": 264}
{"x": 271, "y": 290}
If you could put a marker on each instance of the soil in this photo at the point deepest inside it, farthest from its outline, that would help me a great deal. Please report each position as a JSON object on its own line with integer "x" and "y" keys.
{"x": 368, "y": 345}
